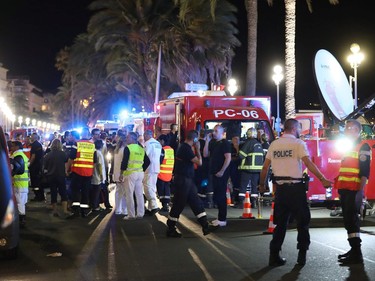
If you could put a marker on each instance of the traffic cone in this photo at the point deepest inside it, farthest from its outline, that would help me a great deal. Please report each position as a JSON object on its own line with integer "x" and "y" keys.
{"x": 247, "y": 208}
{"x": 229, "y": 199}
{"x": 271, "y": 226}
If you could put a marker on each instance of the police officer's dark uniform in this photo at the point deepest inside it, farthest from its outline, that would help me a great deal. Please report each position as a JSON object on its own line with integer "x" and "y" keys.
{"x": 353, "y": 174}
{"x": 186, "y": 190}
{"x": 286, "y": 155}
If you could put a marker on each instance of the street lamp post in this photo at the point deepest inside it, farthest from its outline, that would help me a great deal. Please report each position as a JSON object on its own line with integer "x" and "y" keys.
{"x": 355, "y": 60}
{"x": 277, "y": 77}
{"x": 232, "y": 86}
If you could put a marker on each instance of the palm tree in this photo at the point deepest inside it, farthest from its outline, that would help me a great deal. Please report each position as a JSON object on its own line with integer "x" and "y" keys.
{"x": 290, "y": 63}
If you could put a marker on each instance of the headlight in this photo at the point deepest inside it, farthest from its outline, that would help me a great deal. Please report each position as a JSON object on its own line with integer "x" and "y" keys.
{"x": 344, "y": 144}
{"x": 9, "y": 215}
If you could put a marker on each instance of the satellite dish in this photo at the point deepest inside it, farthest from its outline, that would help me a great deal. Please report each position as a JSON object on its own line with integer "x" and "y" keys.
{"x": 333, "y": 85}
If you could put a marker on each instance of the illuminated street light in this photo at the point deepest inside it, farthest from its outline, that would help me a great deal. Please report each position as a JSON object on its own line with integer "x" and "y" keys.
{"x": 232, "y": 86}
{"x": 355, "y": 60}
{"x": 27, "y": 121}
{"x": 277, "y": 77}
{"x": 20, "y": 119}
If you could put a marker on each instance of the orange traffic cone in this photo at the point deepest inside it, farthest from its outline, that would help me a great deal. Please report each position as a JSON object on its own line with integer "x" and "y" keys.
{"x": 247, "y": 208}
{"x": 229, "y": 199}
{"x": 271, "y": 226}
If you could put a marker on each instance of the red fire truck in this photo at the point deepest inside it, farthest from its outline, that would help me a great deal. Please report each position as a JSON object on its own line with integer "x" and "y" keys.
{"x": 195, "y": 111}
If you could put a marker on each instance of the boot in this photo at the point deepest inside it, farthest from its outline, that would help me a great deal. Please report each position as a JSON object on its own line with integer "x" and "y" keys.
{"x": 344, "y": 255}
{"x": 205, "y": 226}
{"x": 171, "y": 230}
{"x": 276, "y": 260}
{"x": 301, "y": 260}
{"x": 354, "y": 256}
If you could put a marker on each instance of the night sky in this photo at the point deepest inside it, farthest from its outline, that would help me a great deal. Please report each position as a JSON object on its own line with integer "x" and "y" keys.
{"x": 33, "y": 31}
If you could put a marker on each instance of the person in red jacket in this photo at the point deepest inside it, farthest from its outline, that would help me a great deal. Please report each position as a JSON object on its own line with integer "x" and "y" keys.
{"x": 351, "y": 181}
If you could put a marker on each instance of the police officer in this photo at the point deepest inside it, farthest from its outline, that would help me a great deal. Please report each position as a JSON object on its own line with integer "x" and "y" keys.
{"x": 251, "y": 155}
{"x": 286, "y": 155}
{"x": 352, "y": 178}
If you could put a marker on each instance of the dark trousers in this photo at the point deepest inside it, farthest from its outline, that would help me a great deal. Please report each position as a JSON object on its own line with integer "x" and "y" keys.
{"x": 35, "y": 182}
{"x": 350, "y": 209}
{"x": 251, "y": 179}
{"x": 57, "y": 185}
{"x": 80, "y": 191}
{"x": 164, "y": 191}
{"x": 291, "y": 200}
{"x": 219, "y": 186}
{"x": 94, "y": 195}
{"x": 185, "y": 193}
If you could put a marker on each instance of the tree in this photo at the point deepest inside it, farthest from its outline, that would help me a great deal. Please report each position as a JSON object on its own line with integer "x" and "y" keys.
{"x": 120, "y": 49}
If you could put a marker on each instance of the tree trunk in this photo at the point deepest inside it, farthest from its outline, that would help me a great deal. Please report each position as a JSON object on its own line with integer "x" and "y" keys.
{"x": 252, "y": 23}
{"x": 290, "y": 60}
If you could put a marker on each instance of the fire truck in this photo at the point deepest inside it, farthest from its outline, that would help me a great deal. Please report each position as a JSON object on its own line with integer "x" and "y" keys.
{"x": 205, "y": 109}
{"x": 323, "y": 130}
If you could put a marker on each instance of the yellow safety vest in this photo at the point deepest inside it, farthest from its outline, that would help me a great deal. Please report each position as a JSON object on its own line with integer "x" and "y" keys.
{"x": 136, "y": 156}
{"x": 21, "y": 181}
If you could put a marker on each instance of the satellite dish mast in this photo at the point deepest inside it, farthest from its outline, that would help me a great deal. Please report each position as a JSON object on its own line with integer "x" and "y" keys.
{"x": 333, "y": 85}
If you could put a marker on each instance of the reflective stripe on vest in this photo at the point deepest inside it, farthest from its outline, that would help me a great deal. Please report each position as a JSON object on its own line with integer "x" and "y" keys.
{"x": 21, "y": 181}
{"x": 166, "y": 167}
{"x": 253, "y": 162}
{"x": 135, "y": 162}
{"x": 83, "y": 165}
{"x": 348, "y": 177}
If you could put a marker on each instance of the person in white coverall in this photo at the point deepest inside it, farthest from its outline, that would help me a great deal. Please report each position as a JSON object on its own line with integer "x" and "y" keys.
{"x": 153, "y": 151}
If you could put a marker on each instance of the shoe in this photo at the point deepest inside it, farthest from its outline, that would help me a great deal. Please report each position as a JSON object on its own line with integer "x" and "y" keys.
{"x": 352, "y": 259}
{"x": 276, "y": 260}
{"x": 85, "y": 214}
{"x": 219, "y": 223}
{"x": 126, "y": 218}
{"x": 238, "y": 205}
{"x": 165, "y": 209}
{"x": 108, "y": 207}
{"x": 153, "y": 211}
{"x": 206, "y": 230}
{"x": 343, "y": 256}
{"x": 173, "y": 233}
{"x": 301, "y": 260}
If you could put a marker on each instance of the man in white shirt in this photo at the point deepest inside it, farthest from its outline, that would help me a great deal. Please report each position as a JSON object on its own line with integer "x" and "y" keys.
{"x": 153, "y": 151}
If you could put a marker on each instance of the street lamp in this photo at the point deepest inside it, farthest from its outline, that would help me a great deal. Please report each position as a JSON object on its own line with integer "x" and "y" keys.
{"x": 277, "y": 77}
{"x": 232, "y": 86}
{"x": 355, "y": 60}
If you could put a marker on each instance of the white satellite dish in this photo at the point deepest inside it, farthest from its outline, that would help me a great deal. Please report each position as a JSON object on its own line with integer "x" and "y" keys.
{"x": 333, "y": 84}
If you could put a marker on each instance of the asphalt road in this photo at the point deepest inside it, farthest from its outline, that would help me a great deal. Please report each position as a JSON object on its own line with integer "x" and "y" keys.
{"x": 105, "y": 247}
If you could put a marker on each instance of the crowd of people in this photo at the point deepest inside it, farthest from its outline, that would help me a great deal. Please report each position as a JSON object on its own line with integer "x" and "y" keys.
{"x": 149, "y": 170}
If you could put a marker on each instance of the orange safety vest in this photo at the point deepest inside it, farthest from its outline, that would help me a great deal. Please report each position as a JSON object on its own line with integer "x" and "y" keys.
{"x": 83, "y": 164}
{"x": 166, "y": 167}
{"x": 27, "y": 151}
{"x": 348, "y": 177}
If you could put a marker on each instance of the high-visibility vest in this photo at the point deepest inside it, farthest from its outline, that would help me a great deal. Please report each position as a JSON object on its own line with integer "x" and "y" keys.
{"x": 135, "y": 162}
{"x": 252, "y": 161}
{"x": 21, "y": 181}
{"x": 348, "y": 177}
{"x": 166, "y": 167}
{"x": 83, "y": 164}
